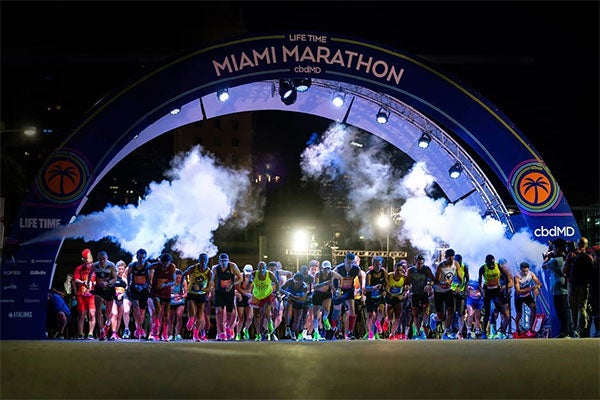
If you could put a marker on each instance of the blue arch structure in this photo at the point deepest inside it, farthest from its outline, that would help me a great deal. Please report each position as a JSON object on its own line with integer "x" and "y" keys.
{"x": 419, "y": 98}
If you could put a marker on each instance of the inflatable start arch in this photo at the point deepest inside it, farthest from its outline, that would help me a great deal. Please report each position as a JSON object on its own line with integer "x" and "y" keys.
{"x": 373, "y": 77}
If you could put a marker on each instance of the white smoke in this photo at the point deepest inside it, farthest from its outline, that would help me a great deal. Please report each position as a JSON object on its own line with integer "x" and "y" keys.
{"x": 198, "y": 197}
{"x": 426, "y": 223}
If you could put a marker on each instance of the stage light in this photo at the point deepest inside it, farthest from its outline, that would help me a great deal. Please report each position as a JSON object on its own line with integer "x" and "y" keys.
{"x": 455, "y": 170}
{"x": 382, "y": 116}
{"x": 287, "y": 92}
{"x": 223, "y": 94}
{"x": 302, "y": 84}
{"x": 175, "y": 111}
{"x": 424, "y": 140}
{"x": 338, "y": 98}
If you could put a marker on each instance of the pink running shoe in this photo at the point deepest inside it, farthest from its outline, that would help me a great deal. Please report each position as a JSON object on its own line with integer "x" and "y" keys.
{"x": 190, "y": 323}
{"x": 203, "y": 337}
{"x": 230, "y": 335}
{"x": 195, "y": 335}
{"x": 378, "y": 326}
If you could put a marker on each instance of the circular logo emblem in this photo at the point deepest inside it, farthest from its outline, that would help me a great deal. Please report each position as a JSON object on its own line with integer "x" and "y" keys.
{"x": 63, "y": 178}
{"x": 534, "y": 188}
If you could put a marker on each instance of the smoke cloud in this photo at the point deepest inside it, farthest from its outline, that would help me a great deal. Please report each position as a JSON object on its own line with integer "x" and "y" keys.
{"x": 197, "y": 198}
{"x": 425, "y": 223}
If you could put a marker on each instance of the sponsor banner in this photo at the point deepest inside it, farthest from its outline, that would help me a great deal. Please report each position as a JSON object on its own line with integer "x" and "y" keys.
{"x": 23, "y": 321}
{"x": 23, "y": 291}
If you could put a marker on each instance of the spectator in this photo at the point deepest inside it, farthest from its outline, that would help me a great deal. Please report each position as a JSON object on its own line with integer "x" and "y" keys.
{"x": 554, "y": 262}
{"x": 58, "y": 315}
{"x": 579, "y": 271}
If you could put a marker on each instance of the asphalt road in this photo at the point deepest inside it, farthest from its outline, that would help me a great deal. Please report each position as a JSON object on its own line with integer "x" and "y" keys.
{"x": 432, "y": 369}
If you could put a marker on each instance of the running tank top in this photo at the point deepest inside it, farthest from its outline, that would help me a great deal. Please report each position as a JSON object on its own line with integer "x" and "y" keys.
{"x": 262, "y": 288}
{"x": 395, "y": 286}
{"x": 198, "y": 281}
{"x": 525, "y": 282}
{"x": 376, "y": 279}
{"x": 491, "y": 277}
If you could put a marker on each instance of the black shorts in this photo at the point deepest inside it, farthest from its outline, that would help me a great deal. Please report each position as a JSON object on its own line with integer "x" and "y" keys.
{"x": 196, "y": 298}
{"x": 444, "y": 300}
{"x": 224, "y": 299}
{"x": 141, "y": 298}
{"x": 318, "y": 297}
{"x": 106, "y": 293}
{"x": 373, "y": 304}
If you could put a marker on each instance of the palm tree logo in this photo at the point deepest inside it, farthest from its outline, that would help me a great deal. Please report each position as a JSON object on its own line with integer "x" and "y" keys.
{"x": 63, "y": 177}
{"x": 535, "y": 187}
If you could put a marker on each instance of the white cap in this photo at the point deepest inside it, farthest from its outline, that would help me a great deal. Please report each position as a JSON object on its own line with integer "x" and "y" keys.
{"x": 248, "y": 268}
{"x": 326, "y": 264}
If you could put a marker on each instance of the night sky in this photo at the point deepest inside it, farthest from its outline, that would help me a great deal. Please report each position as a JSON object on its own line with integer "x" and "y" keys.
{"x": 537, "y": 61}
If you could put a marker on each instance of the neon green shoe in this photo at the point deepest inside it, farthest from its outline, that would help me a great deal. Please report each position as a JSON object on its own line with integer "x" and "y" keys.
{"x": 316, "y": 337}
{"x": 326, "y": 324}
{"x": 271, "y": 327}
{"x": 238, "y": 337}
{"x": 246, "y": 333}
{"x": 258, "y": 337}
{"x": 300, "y": 337}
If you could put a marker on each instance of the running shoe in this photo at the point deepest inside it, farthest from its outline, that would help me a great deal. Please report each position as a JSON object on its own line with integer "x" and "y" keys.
{"x": 300, "y": 337}
{"x": 288, "y": 332}
{"x": 246, "y": 333}
{"x": 349, "y": 336}
{"x": 422, "y": 335}
{"x": 446, "y": 336}
{"x": 170, "y": 338}
{"x": 178, "y": 337}
{"x": 151, "y": 337}
{"x": 393, "y": 337}
{"x": 273, "y": 337}
{"x": 190, "y": 323}
{"x": 104, "y": 331}
{"x": 315, "y": 336}
{"x": 377, "y": 337}
{"x": 386, "y": 324}
{"x": 203, "y": 336}
{"x": 114, "y": 336}
{"x": 271, "y": 327}
{"x": 126, "y": 333}
{"x": 529, "y": 335}
{"x": 258, "y": 337}
{"x": 90, "y": 336}
{"x": 501, "y": 335}
{"x": 292, "y": 336}
{"x": 238, "y": 337}
{"x": 433, "y": 322}
{"x": 378, "y": 327}
{"x": 326, "y": 324}
{"x": 370, "y": 335}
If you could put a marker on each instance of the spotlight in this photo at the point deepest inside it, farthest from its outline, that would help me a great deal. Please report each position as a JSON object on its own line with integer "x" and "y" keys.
{"x": 338, "y": 98}
{"x": 302, "y": 84}
{"x": 382, "y": 116}
{"x": 424, "y": 140}
{"x": 223, "y": 94}
{"x": 455, "y": 170}
{"x": 287, "y": 92}
{"x": 175, "y": 111}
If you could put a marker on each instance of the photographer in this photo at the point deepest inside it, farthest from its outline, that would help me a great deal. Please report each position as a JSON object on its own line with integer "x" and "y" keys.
{"x": 554, "y": 261}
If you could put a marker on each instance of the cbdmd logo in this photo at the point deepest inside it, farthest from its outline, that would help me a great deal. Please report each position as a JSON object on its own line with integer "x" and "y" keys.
{"x": 534, "y": 187}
